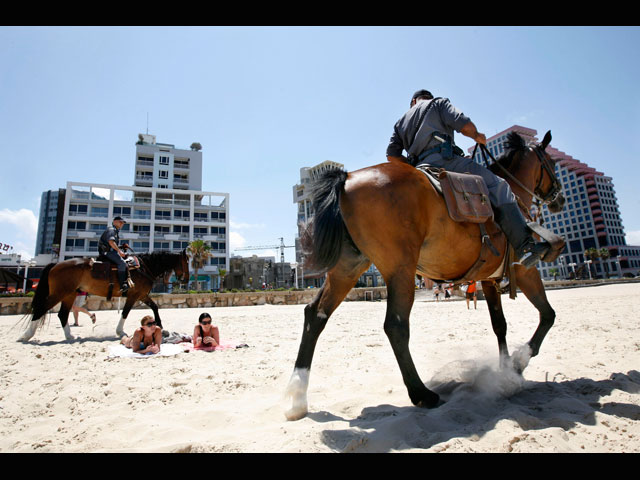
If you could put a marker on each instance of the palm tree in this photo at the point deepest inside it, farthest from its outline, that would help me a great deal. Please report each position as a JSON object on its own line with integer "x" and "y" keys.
{"x": 200, "y": 252}
{"x": 554, "y": 271}
{"x": 223, "y": 273}
{"x": 591, "y": 254}
{"x": 604, "y": 256}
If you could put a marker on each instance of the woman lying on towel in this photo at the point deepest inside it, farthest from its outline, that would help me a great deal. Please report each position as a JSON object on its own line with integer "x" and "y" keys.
{"x": 205, "y": 334}
{"x": 146, "y": 339}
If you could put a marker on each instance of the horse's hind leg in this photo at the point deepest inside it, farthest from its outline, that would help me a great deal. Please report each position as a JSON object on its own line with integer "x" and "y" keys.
{"x": 63, "y": 314}
{"x": 492, "y": 295}
{"x": 338, "y": 283}
{"x": 123, "y": 316}
{"x": 400, "y": 296}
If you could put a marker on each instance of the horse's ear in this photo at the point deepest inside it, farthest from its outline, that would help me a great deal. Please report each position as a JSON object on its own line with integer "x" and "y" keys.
{"x": 546, "y": 140}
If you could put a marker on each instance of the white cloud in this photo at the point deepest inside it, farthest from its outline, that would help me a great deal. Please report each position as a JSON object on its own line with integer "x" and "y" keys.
{"x": 245, "y": 226}
{"x": 633, "y": 238}
{"x": 236, "y": 240}
{"x": 19, "y": 228}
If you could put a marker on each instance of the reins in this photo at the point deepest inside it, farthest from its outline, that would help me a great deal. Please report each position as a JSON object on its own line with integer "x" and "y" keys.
{"x": 554, "y": 192}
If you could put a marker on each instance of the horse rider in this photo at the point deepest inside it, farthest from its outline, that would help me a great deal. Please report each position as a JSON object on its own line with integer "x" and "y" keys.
{"x": 108, "y": 247}
{"x": 426, "y": 133}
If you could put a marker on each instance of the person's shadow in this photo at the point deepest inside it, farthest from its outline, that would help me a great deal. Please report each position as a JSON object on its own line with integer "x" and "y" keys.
{"x": 470, "y": 413}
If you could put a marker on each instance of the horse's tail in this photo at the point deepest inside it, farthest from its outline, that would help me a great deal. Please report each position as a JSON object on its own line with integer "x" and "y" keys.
{"x": 39, "y": 303}
{"x": 323, "y": 239}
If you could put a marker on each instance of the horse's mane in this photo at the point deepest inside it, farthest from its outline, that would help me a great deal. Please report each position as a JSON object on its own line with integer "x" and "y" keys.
{"x": 160, "y": 260}
{"x": 514, "y": 144}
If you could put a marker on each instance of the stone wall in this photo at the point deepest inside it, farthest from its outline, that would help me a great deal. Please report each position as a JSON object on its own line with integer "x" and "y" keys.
{"x": 20, "y": 305}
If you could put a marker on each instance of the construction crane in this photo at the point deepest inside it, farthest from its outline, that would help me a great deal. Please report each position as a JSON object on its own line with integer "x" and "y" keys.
{"x": 282, "y": 246}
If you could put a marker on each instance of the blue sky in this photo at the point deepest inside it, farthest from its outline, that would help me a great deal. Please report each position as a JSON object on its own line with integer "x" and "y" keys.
{"x": 266, "y": 101}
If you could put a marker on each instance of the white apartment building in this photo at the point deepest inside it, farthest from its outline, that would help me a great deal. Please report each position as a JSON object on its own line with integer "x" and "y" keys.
{"x": 164, "y": 210}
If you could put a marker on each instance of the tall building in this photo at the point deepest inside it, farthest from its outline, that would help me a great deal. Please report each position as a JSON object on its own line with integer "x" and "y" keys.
{"x": 164, "y": 209}
{"x": 589, "y": 219}
{"x": 50, "y": 222}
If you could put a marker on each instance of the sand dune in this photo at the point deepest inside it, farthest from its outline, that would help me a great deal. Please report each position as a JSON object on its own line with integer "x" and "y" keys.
{"x": 581, "y": 394}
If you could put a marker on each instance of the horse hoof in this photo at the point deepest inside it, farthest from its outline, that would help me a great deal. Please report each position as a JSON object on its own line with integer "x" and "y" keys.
{"x": 431, "y": 401}
{"x": 295, "y": 413}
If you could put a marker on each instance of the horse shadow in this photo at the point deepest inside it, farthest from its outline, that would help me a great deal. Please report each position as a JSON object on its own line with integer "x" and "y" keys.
{"x": 471, "y": 412}
{"x": 76, "y": 341}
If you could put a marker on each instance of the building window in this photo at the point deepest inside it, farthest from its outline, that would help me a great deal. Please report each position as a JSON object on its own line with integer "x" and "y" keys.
{"x": 163, "y": 174}
{"x": 163, "y": 160}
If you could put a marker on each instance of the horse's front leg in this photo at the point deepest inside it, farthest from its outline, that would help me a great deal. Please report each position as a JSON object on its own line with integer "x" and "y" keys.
{"x": 400, "y": 295}
{"x": 492, "y": 295}
{"x": 530, "y": 284}
{"x": 153, "y": 306}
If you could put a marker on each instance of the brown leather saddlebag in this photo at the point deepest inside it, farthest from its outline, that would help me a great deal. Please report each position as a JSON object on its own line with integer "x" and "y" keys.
{"x": 466, "y": 196}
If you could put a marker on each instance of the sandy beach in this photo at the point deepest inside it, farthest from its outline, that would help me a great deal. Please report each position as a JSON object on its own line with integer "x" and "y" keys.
{"x": 581, "y": 394}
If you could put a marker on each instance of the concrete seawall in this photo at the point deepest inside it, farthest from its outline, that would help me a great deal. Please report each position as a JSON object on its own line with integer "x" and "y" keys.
{"x": 20, "y": 305}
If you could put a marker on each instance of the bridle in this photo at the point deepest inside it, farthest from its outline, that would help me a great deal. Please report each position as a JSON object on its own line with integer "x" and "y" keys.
{"x": 184, "y": 272}
{"x": 543, "y": 197}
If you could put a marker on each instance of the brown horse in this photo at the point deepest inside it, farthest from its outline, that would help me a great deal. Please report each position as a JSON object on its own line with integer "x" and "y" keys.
{"x": 60, "y": 281}
{"x": 392, "y": 216}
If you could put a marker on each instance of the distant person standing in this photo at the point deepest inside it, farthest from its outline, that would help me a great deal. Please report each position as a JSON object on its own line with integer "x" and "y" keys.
{"x": 472, "y": 294}
{"x": 78, "y": 306}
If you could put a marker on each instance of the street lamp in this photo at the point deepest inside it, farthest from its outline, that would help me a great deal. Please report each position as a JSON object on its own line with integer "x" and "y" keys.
{"x": 588, "y": 262}
{"x": 27, "y": 264}
{"x": 619, "y": 267}
{"x": 573, "y": 267}
{"x": 563, "y": 272}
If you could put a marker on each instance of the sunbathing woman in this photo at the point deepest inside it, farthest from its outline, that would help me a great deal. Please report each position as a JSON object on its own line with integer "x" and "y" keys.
{"x": 146, "y": 339}
{"x": 205, "y": 335}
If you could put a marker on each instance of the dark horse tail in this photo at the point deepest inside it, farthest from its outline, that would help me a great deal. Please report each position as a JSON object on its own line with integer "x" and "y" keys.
{"x": 326, "y": 235}
{"x": 39, "y": 303}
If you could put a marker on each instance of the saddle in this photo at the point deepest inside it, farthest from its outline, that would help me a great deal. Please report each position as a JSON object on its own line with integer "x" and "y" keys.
{"x": 104, "y": 269}
{"x": 467, "y": 199}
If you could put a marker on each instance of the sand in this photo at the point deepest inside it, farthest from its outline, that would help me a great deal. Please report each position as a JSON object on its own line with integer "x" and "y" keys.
{"x": 581, "y": 394}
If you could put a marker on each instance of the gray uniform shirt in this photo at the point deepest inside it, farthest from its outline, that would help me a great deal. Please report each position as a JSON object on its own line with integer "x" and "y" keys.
{"x": 414, "y": 131}
{"x": 111, "y": 233}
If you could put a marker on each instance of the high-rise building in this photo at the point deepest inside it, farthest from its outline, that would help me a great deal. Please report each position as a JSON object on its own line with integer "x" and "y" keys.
{"x": 164, "y": 210}
{"x": 589, "y": 219}
{"x": 50, "y": 222}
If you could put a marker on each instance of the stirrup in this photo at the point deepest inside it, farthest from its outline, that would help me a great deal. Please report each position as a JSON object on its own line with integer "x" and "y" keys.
{"x": 532, "y": 253}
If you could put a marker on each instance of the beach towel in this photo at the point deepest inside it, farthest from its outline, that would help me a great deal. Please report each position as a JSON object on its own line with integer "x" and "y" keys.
{"x": 188, "y": 346}
{"x": 166, "y": 350}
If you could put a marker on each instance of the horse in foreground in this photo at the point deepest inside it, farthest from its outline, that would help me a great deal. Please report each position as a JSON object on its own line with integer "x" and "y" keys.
{"x": 393, "y": 216}
{"x": 60, "y": 281}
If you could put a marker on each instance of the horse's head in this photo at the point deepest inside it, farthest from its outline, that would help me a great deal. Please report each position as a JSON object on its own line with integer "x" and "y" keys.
{"x": 182, "y": 267}
{"x": 533, "y": 171}
{"x": 549, "y": 188}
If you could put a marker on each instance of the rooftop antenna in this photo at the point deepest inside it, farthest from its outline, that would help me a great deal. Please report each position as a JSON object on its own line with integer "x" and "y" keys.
{"x": 147, "y": 123}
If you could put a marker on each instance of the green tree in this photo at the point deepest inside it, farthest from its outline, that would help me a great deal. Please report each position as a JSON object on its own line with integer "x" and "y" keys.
{"x": 199, "y": 251}
{"x": 196, "y": 146}
{"x": 223, "y": 273}
{"x": 554, "y": 272}
{"x": 604, "y": 256}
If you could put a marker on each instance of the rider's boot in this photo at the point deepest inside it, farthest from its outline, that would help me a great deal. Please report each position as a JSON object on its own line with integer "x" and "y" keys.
{"x": 512, "y": 222}
{"x": 124, "y": 284}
